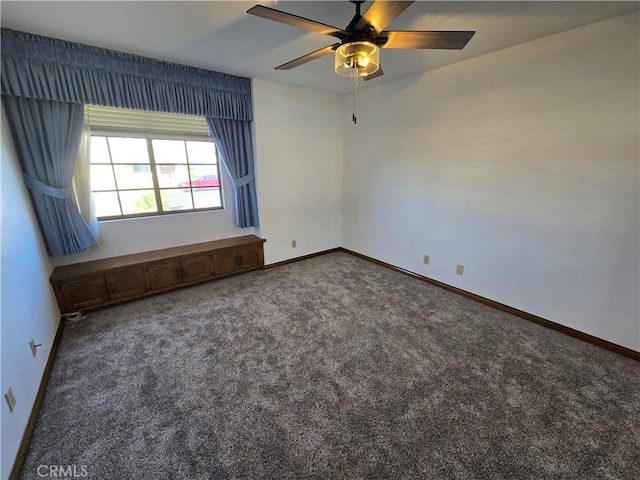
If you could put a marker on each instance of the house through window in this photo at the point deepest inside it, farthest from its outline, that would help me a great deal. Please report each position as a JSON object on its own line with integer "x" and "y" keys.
{"x": 145, "y": 164}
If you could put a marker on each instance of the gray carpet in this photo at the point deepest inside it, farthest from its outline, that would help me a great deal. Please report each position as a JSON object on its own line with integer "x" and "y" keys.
{"x": 333, "y": 368}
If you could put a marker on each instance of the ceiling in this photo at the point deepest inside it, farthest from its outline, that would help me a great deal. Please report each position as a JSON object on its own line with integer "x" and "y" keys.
{"x": 219, "y": 35}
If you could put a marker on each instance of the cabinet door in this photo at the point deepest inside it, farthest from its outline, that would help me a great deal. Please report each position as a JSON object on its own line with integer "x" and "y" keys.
{"x": 196, "y": 269}
{"x": 164, "y": 275}
{"x": 225, "y": 261}
{"x": 250, "y": 256}
{"x": 81, "y": 294}
{"x": 126, "y": 283}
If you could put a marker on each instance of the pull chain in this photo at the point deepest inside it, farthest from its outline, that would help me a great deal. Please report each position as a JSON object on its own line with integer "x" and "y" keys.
{"x": 355, "y": 93}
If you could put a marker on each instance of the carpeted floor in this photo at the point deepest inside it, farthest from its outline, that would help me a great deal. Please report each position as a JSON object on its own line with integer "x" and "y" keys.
{"x": 332, "y": 368}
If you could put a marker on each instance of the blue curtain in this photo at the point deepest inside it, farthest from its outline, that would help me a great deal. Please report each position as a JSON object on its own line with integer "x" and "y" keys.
{"x": 234, "y": 141}
{"x": 46, "y": 135}
{"x": 50, "y": 69}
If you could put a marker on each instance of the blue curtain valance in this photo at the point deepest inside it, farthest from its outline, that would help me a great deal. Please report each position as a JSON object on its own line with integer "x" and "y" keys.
{"x": 50, "y": 69}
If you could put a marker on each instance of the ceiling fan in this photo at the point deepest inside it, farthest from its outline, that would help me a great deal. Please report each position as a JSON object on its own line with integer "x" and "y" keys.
{"x": 358, "y": 54}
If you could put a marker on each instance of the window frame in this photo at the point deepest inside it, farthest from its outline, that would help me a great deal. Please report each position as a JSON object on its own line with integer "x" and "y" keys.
{"x": 149, "y": 137}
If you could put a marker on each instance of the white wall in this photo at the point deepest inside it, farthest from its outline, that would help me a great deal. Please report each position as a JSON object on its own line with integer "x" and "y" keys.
{"x": 522, "y": 165}
{"x": 28, "y": 308}
{"x": 299, "y": 167}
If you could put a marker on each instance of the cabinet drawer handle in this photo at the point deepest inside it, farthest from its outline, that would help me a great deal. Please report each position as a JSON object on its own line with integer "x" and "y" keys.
{"x": 110, "y": 288}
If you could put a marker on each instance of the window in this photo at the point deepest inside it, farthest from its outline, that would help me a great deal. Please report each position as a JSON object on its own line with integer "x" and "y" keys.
{"x": 143, "y": 167}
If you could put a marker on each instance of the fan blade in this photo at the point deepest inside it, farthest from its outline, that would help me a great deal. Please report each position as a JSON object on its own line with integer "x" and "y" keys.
{"x": 380, "y": 14}
{"x": 376, "y": 74}
{"x": 308, "y": 57}
{"x": 452, "y": 40}
{"x": 295, "y": 20}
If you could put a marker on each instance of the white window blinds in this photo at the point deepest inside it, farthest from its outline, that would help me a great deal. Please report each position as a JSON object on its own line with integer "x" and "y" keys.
{"x": 109, "y": 119}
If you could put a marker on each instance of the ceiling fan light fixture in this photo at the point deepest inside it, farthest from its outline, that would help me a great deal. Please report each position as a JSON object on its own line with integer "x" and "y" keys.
{"x": 357, "y": 59}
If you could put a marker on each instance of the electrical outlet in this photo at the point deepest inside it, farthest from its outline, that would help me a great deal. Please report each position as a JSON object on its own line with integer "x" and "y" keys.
{"x": 293, "y": 244}
{"x": 425, "y": 259}
{"x": 11, "y": 400}
{"x": 34, "y": 347}
{"x": 460, "y": 269}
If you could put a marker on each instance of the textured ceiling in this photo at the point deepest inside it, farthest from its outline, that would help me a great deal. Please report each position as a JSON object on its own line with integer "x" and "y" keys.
{"x": 219, "y": 35}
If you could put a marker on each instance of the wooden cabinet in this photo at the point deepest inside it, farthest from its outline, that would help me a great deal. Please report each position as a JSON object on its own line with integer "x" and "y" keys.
{"x": 250, "y": 257}
{"x": 164, "y": 275}
{"x": 225, "y": 262}
{"x": 90, "y": 285}
{"x": 237, "y": 259}
{"x": 82, "y": 294}
{"x": 127, "y": 283}
{"x": 196, "y": 268}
